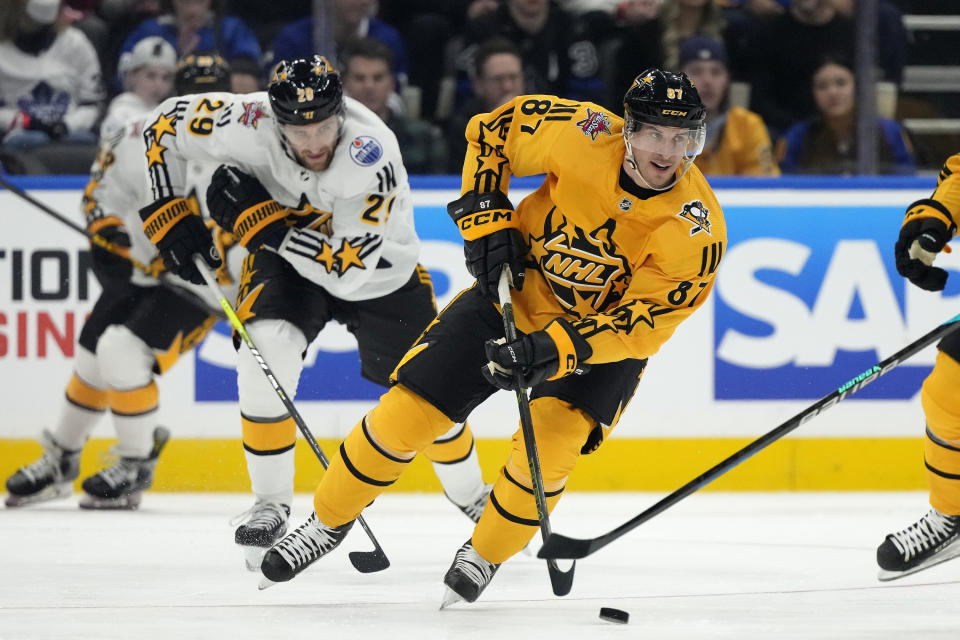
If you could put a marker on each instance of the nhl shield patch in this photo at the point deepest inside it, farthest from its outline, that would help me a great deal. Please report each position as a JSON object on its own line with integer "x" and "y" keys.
{"x": 365, "y": 150}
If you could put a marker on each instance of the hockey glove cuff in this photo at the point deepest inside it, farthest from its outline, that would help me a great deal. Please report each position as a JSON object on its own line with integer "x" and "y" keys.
{"x": 488, "y": 224}
{"x": 179, "y": 240}
{"x": 548, "y": 354}
{"x": 239, "y": 203}
{"x": 926, "y": 229}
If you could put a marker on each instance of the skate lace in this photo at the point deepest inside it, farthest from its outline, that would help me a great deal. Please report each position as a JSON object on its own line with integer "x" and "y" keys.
{"x": 123, "y": 470}
{"x": 262, "y": 515}
{"x": 925, "y": 533}
{"x": 469, "y": 562}
{"x": 45, "y": 467}
{"x": 306, "y": 541}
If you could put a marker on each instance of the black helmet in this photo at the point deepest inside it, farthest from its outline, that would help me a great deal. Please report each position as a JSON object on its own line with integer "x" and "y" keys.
{"x": 305, "y": 91}
{"x": 664, "y": 98}
{"x": 201, "y": 72}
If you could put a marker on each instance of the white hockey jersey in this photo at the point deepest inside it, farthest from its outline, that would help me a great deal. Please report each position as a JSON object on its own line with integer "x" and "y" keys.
{"x": 61, "y": 83}
{"x": 117, "y": 189}
{"x": 353, "y": 235}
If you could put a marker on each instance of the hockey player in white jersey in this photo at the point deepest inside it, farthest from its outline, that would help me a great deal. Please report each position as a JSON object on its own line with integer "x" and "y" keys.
{"x": 313, "y": 185}
{"x": 136, "y": 330}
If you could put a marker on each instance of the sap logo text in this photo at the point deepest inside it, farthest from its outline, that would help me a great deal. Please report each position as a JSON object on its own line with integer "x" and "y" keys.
{"x": 852, "y": 307}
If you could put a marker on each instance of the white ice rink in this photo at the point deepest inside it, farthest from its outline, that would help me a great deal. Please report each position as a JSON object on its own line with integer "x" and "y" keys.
{"x": 775, "y": 566}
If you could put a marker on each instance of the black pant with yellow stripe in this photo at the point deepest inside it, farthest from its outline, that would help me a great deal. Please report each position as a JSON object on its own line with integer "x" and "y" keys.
{"x": 439, "y": 382}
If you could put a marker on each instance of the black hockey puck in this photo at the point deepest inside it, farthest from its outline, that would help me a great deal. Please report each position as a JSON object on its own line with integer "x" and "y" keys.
{"x": 614, "y": 615}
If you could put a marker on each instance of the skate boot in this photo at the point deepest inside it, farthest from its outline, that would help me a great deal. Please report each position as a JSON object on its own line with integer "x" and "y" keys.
{"x": 266, "y": 522}
{"x": 299, "y": 549}
{"x": 932, "y": 539}
{"x": 48, "y": 478}
{"x": 121, "y": 485}
{"x": 475, "y": 508}
{"x": 468, "y": 576}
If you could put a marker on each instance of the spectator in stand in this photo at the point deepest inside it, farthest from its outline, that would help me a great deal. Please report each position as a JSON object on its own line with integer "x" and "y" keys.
{"x": 50, "y": 87}
{"x": 737, "y": 140}
{"x": 368, "y": 78}
{"x": 559, "y": 52}
{"x": 192, "y": 26}
{"x": 147, "y": 73}
{"x": 497, "y": 79}
{"x": 685, "y": 18}
{"x": 827, "y": 143}
{"x": 352, "y": 19}
{"x": 795, "y": 41}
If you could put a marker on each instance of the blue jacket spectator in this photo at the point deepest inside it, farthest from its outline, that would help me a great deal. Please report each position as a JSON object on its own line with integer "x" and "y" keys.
{"x": 191, "y": 29}
{"x": 827, "y": 143}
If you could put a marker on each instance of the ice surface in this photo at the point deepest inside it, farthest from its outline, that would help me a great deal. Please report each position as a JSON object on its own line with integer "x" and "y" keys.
{"x": 773, "y": 565}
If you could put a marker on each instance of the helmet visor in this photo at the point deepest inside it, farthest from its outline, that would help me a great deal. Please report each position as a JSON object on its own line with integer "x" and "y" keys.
{"x": 664, "y": 140}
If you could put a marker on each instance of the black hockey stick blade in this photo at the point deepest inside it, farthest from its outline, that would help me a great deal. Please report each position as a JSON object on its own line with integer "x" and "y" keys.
{"x": 369, "y": 561}
{"x": 561, "y": 581}
{"x": 558, "y": 546}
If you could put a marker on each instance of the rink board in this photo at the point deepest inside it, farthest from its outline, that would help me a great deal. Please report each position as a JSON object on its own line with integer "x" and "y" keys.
{"x": 807, "y": 298}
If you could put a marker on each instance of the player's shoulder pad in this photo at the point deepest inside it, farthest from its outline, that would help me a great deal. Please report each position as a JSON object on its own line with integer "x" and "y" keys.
{"x": 367, "y": 148}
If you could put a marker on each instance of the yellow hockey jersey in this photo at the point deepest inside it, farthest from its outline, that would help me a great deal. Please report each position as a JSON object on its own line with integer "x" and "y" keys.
{"x": 624, "y": 265}
{"x": 948, "y": 186}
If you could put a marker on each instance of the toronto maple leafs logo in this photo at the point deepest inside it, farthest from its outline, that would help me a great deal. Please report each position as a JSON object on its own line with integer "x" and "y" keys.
{"x": 595, "y": 123}
{"x": 696, "y": 214}
{"x": 583, "y": 268}
{"x": 252, "y": 112}
{"x": 44, "y": 104}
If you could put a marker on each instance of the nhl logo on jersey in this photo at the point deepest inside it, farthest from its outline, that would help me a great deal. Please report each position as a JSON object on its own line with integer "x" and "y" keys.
{"x": 696, "y": 214}
{"x": 365, "y": 150}
{"x": 625, "y": 204}
{"x": 594, "y": 124}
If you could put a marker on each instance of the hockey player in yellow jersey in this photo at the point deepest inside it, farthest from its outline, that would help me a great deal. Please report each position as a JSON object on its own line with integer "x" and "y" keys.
{"x": 619, "y": 244}
{"x": 927, "y": 227}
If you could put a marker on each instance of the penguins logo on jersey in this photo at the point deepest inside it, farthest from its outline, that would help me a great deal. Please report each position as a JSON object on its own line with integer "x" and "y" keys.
{"x": 698, "y": 215}
{"x": 582, "y": 268}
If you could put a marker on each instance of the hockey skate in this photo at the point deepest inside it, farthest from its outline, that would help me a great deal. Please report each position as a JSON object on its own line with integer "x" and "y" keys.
{"x": 121, "y": 485}
{"x": 266, "y": 522}
{"x": 48, "y": 478}
{"x": 468, "y": 576}
{"x": 475, "y": 508}
{"x": 932, "y": 539}
{"x": 299, "y": 549}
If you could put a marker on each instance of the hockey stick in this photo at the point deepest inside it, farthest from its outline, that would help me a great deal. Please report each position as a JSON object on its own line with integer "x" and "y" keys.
{"x": 561, "y": 581}
{"x": 104, "y": 244}
{"x": 363, "y": 561}
{"x": 559, "y": 546}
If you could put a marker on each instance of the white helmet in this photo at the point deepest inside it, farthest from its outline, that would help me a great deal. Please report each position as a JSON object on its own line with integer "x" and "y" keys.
{"x": 153, "y": 50}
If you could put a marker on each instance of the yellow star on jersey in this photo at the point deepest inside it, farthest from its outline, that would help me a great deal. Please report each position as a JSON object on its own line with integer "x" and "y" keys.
{"x": 490, "y": 164}
{"x": 604, "y": 322}
{"x": 166, "y": 359}
{"x": 155, "y": 153}
{"x": 163, "y": 124}
{"x": 349, "y": 256}
{"x": 537, "y": 248}
{"x": 326, "y": 256}
{"x": 619, "y": 286}
{"x": 582, "y": 305}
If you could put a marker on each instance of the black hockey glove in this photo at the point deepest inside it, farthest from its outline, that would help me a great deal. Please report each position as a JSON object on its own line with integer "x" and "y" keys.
{"x": 548, "y": 354}
{"x": 112, "y": 269}
{"x": 240, "y": 204}
{"x": 927, "y": 228}
{"x": 487, "y": 222}
{"x": 179, "y": 233}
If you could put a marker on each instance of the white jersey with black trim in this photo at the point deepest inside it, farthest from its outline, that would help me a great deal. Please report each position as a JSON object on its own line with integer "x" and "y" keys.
{"x": 353, "y": 230}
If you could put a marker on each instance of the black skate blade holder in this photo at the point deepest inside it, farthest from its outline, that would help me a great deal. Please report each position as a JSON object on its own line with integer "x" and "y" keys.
{"x": 362, "y": 561}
